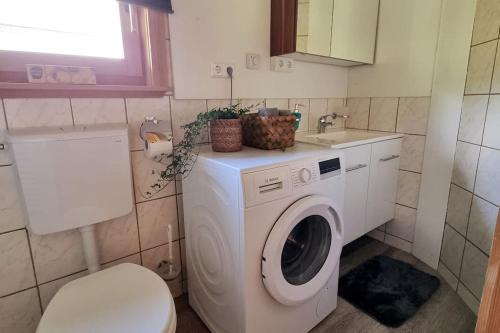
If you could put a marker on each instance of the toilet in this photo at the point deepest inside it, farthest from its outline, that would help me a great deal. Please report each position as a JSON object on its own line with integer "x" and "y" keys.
{"x": 123, "y": 298}
{"x": 74, "y": 178}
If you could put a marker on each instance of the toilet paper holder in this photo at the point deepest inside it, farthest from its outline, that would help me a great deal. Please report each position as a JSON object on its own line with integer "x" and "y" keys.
{"x": 153, "y": 125}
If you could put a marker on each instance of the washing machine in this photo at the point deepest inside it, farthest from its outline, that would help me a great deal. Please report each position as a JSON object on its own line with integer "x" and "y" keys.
{"x": 264, "y": 234}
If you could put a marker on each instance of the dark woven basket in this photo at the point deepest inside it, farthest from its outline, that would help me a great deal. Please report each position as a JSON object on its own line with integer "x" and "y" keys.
{"x": 275, "y": 132}
{"x": 225, "y": 135}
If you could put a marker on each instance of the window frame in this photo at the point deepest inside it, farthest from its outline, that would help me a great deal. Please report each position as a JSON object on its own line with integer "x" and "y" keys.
{"x": 145, "y": 71}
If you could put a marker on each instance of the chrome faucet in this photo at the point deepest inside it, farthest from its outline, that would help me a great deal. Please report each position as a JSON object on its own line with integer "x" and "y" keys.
{"x": 323, "y": 123}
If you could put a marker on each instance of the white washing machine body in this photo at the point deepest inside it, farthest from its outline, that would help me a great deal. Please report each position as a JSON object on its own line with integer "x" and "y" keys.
{"x": 264, "y": 233}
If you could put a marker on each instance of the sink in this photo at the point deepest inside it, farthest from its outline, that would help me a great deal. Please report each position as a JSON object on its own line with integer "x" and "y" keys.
{"x": 345, "y": 138}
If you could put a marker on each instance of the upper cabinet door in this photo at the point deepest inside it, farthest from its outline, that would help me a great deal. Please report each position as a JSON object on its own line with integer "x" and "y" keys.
{"x": 339, "y": 32}
{"x": 354, "y": 30}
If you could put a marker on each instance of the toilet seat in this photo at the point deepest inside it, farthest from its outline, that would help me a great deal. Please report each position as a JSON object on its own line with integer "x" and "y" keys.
{"x": 124, "y": 298}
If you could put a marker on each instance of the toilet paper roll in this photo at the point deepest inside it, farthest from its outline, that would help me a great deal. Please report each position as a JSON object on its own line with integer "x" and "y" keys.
{"x": 156, "y": 144}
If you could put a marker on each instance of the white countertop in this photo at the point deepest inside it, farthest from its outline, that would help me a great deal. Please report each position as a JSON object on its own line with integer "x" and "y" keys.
{"x": 249, "y": 159}
{"x": 345, "y": 138}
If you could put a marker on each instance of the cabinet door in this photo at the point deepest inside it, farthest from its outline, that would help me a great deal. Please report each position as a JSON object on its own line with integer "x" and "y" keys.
{"x": 356, "y": 193}
{"x": 354, "y": 30}
{"x": 384, "y": 172}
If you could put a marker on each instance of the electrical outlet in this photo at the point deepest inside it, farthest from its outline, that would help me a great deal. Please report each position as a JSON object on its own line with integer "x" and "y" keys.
{"x": 282, "y": 64}
{"x": 253, "y": 60}
{"x": 219, "y": 70}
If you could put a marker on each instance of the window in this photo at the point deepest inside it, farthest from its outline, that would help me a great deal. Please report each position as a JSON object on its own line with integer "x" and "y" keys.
{"x": 125, "y": 45}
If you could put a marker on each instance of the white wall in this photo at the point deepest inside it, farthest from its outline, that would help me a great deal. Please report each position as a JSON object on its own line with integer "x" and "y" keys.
{"x": 203, "y": 32}
{"x": 406, "y": 46}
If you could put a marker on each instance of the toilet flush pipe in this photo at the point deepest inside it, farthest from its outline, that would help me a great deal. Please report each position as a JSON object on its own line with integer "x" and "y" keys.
{"x": 90, "y": 249}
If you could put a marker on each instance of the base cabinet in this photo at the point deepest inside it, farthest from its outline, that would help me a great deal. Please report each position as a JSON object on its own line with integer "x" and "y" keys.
{"x": 372, "y": 172}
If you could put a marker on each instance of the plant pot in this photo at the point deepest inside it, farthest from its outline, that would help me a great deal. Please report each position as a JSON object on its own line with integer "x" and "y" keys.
{"x": 225, "y": 135}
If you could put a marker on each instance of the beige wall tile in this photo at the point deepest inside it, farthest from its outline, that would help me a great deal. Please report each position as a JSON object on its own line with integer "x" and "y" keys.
{"x": 472, "y": 118}
{"x": 448, "y": 276}
{"x": 412, "y": 153}
{"x": 480, "y": 68}
{"x": 20, "y": 313}
{"x": 57, "y": 255}
{"x": 219, "y": 103}
{"x": 465, "y": 165}
{"x": 495, "y": 84}
{"x": 403, "y": 224}
{"x": 49, "y": 290}
{"x": 491, "y": 136}
{"x": 408, "y": 188}
{"x": 137, "y": 109}
{"x": 359, "y": 110}
{"x": 337, "y": 105}
{"x": 144, "y": 178}
{"x": 473, "y": 269}
{"x": 118, "y": 238}
{"x": 16, "y": 270}
{"x": 98, "y": 110}
{"x": 280, "y": 103}
{"x": 11, "y": 206}
{"x": 151, "y": 259}
{"x": 133, "y": 259}
{"x": 459, "y": 203}
{"x": 154, "y": 217}
{"x": 488, "y": 176}
{"x": 383, "y": 113}
{"x": 469, "y": 299}
{"x": 398, "y": 243}
{"x": 487, "y": 21}
{"x": 318, "y": 107}
{"x": 304, "y": 110}
{"x": 413, "y": 113}
{"x": 185, "y": 112}
{"x": 253, "y": 104}
{"x": 483, "y": 219}
{"x": 38, "y": 112}
{"x": 452, "y": 249}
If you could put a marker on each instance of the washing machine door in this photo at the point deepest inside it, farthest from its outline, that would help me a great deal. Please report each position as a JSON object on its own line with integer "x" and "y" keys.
{"x": 302, "y": 250}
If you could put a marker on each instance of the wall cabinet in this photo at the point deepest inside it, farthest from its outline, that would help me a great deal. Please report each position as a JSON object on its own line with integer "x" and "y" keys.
{"x": 372, "y": 172}
{"x": 340, "y": 32}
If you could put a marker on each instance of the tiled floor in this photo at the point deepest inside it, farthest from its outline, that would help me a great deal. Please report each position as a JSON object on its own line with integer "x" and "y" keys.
{"x": 445, "y": 312}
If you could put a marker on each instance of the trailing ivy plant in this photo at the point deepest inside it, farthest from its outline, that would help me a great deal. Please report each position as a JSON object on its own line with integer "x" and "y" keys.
{"x": 180, "y": 162}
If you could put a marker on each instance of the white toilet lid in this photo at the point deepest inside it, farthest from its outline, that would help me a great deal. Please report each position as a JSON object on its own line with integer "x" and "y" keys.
{"x": 124, "y": 298}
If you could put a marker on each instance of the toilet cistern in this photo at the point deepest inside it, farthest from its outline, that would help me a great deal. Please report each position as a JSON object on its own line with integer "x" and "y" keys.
{"x": 62, "y": 190}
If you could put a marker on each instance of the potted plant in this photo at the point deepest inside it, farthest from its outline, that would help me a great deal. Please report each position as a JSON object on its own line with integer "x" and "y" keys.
{"x": 226, "y": 136}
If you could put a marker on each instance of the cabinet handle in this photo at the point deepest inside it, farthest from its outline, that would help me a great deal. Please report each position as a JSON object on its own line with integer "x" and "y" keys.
{"x": 389, "y": 158}
{"x": 3, "y": 146}
{"x": 357, "y": 167}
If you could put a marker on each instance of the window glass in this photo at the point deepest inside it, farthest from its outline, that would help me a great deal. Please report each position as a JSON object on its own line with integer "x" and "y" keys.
{"x": 69, "y": 27}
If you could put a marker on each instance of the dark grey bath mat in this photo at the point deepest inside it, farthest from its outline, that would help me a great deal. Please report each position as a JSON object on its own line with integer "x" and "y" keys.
{"x": 389, "y": 290}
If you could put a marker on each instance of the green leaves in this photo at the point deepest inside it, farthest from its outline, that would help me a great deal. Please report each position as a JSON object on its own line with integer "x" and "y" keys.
{"x": 184, "y": 155}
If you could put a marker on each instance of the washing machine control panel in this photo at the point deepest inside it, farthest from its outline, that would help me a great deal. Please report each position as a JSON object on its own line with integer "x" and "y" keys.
{"x": 303, "y": 174}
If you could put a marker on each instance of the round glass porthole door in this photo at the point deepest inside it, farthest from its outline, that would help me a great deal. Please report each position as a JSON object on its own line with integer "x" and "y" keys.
{"x": 302, "y": 250}
{"x": 306, "y": 250}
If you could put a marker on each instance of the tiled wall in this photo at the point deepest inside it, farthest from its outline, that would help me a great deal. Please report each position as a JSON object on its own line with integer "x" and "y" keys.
{"x": 32, "y": 267}
{"x": 407, "y": 115}
{"x": 475, "y": 188}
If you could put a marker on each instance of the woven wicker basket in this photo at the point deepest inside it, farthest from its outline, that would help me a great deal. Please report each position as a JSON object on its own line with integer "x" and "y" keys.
{"x": 275, "y": 132}
{"x": 225, "y": 135}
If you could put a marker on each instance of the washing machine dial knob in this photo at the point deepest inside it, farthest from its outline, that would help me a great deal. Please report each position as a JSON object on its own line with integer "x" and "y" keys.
{"x": 305, "y": 175}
